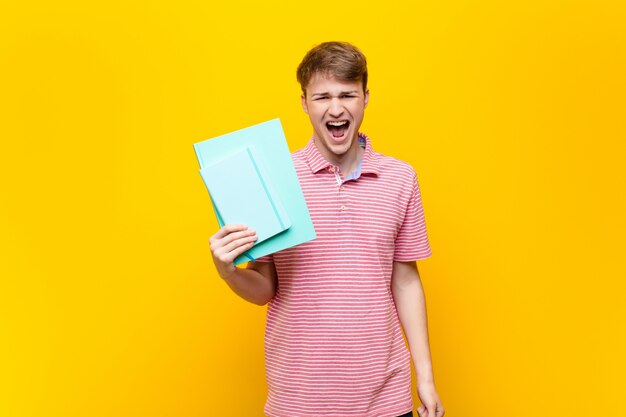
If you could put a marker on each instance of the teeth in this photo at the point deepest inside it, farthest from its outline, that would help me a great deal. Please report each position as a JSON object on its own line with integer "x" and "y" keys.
{"x": 341, "y": 123}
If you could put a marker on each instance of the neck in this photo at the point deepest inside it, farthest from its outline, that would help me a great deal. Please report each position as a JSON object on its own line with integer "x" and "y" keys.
{"x": 346, "y": 162}
{"x": 351, "y": 159}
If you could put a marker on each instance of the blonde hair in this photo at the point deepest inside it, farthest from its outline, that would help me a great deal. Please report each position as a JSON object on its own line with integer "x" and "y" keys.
{"x": 339, "y": 59}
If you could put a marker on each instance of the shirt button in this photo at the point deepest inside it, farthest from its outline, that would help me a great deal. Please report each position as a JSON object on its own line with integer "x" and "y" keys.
{"x": 343, "y": 208}
{"x": 342, "y": 188}
{"x": 331, "y": 169}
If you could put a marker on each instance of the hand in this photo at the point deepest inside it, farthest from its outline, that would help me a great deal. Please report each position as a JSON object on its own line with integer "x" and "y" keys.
{"x": 431, "y": 404}
{"x": 227, "y": 244}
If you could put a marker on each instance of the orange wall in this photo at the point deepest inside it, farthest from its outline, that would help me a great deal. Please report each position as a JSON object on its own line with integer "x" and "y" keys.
{"x": 511, "y": 113}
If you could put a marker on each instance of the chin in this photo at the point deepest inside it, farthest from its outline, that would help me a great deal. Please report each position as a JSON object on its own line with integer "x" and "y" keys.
{"x": 338, "y": 148}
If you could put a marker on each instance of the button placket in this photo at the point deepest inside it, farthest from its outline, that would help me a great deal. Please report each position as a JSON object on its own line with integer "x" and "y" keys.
{"x": 343, "y": 198}
{"x": 343, "y": 207}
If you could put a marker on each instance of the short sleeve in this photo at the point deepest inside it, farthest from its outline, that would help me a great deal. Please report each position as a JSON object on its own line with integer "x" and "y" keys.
{"x": 412, "y": 239}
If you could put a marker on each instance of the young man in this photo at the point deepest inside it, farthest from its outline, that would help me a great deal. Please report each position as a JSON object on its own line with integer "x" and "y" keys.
{"x": 333, "y": 342}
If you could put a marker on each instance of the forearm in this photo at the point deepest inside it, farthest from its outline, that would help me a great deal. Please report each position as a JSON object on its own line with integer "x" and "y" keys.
{"x": 410, "y": 302}
{"x": 251, "y": 285}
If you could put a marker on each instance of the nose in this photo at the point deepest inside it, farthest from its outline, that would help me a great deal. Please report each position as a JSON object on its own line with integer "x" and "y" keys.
{"x": 335, "y": 109}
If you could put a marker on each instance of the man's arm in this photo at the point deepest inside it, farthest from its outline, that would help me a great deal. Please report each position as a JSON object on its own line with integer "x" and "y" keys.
{"x": 408, "y": 294}
{"x": 257, "y": 283}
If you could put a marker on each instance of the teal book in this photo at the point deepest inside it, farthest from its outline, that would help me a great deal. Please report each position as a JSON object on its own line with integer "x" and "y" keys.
{"x": 236, "y": 180}
{"x": 251, "y": 180}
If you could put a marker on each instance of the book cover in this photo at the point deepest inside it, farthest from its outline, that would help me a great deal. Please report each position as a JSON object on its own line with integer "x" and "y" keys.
{"x": 242, "y": 194}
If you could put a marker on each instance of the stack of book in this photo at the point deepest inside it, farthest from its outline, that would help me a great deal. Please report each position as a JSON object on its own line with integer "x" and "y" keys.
{"x": 251, "y": 180}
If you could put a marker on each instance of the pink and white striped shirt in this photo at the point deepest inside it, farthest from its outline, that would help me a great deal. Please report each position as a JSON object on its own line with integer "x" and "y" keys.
{"x": 333, "y": 341}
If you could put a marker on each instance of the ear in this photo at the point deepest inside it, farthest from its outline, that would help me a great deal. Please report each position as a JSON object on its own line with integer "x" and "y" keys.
{"x": 304, "y": 106}
{"x": 367, "y": 97}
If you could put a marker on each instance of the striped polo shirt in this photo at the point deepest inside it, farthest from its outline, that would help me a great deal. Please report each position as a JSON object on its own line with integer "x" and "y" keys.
{"x": 333, "y": 341}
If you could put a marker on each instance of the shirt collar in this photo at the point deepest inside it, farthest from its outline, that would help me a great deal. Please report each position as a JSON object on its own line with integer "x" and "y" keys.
{"x": 369, "y": 163}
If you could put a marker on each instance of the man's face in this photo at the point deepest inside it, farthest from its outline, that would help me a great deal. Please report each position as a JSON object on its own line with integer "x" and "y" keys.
{"x": 335, "y": 109}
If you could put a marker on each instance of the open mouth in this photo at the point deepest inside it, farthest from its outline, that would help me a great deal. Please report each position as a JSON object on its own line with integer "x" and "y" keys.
{"x": 338, "y": 128}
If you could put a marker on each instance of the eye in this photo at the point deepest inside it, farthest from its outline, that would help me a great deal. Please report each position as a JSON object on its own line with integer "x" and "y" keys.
{"x": 321, "y": 98}
{"x": 348, "y": 96}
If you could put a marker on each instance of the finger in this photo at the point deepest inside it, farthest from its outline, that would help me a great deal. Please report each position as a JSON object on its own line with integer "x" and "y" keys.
{"x": 230, "y": 256}
{"x": 431, "y": 410}
{"x": 235, "y": 244}
{"x": 229, "y": 228}
{"x": 231, "y": 237}
{"x": 241, "y": 249}
{"x": 420, "y": 410}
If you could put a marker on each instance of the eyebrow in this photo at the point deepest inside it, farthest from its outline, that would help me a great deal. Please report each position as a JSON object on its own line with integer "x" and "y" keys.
{"x": 342, "y": 92}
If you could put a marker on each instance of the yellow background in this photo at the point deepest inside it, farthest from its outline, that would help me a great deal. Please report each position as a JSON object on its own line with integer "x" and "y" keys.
{"x": 512, "y": 113}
